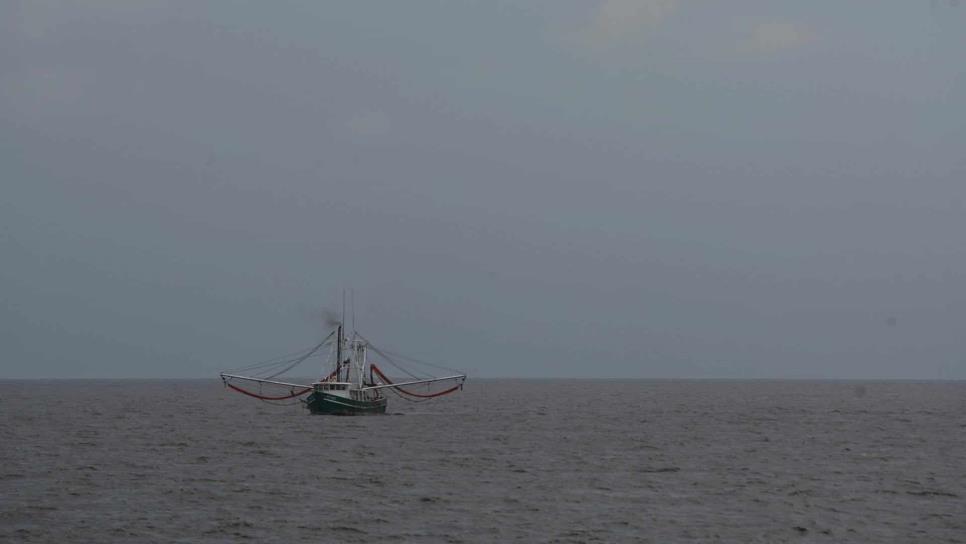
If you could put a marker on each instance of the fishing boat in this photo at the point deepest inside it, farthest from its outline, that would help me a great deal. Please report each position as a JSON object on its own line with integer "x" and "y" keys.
{"x": 353, "y": 385}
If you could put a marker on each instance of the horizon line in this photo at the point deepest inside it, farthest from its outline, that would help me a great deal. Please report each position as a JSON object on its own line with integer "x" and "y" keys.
{"x": 562, "y": 378}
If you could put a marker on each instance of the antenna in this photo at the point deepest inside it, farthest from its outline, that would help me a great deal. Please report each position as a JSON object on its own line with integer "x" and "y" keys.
{"x": 352, "y": 299}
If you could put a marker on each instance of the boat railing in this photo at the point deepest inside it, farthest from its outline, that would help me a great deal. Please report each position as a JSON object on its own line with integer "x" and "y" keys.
{"x": 332, "y": 386}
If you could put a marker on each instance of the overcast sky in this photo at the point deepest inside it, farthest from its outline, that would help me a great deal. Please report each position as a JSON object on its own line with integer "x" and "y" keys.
{"x": 619, "y": 188}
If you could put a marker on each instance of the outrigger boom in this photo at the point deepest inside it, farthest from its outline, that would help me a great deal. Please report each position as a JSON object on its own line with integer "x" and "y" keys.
{"x": 383, "y": 386}
{"x": 460, "y": 377}
{"x": 260, "y": 380}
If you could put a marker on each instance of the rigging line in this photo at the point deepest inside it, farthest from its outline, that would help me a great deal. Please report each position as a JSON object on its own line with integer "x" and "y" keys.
{"x": 275, "y": 360}
{"x": 272, "y": 371}
{"x": 268, "y": 369}
{"x": 300, "y": 359}
{"x": 407, "y": 399}
{"x": 421, "y": 362}
{"x": 280, "y": 358}
{"x": 263, "y": 364}
{"x": 391, "y": 361}
{"x": 386, "y": 353}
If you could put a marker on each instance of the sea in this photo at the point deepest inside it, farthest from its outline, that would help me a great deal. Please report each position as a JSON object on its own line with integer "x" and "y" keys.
{"x": 501, "y": 461}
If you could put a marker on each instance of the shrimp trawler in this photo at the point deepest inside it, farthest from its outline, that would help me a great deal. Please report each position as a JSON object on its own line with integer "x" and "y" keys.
{"x": 354, "y": 385}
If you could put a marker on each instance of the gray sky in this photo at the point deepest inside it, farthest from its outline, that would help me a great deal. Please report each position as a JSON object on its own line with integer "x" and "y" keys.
{"x": 621, "y": 188}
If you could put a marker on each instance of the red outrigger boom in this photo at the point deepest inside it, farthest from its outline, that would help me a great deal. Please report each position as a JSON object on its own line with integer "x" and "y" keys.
{"x": 410, "y": 393}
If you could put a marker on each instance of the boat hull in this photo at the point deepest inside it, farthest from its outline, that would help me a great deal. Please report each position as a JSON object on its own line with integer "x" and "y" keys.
{"x": 326, "y": 404}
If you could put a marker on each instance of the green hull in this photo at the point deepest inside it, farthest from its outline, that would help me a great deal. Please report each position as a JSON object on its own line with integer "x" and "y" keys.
{"x": 326, "y": 404}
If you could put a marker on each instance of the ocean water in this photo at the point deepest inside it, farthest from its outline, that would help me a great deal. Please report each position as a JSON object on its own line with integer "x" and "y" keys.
{"x": 503, "y": 461}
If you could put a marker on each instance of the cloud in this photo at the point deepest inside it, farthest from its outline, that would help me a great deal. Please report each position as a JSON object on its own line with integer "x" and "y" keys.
{"x": 772, "y": 36}
{"x": 616, "y": 20}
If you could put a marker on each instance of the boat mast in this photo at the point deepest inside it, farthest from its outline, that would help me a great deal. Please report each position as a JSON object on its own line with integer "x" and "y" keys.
{"x": 338, "y": 356}
{"x": 362, "y": 364}
{"x": 341, "y": 336}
